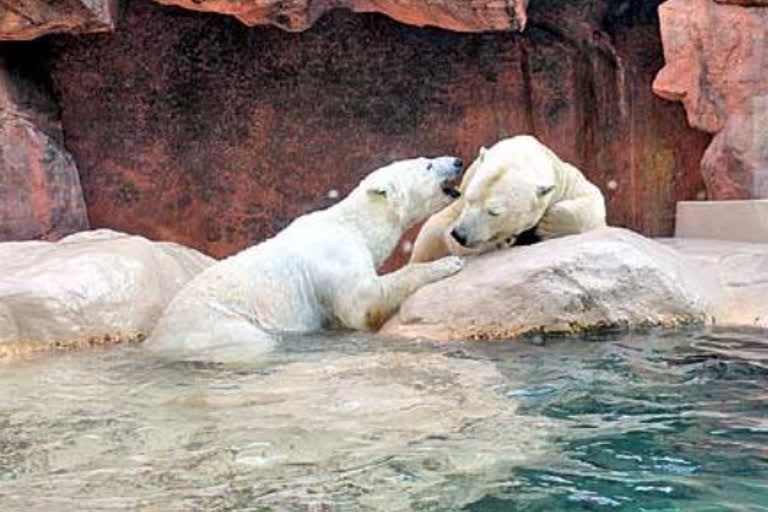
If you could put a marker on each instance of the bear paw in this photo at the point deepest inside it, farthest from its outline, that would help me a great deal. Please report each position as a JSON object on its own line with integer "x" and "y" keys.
{"x": 449, "y": 265}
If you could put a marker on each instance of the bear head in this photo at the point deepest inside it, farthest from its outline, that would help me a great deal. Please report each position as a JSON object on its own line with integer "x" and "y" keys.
{"x": 510, "y": 189}
{"x": 411, "y": 190}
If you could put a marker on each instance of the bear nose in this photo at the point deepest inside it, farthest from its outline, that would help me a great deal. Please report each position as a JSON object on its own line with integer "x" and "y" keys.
{"x": 459, "y": 237}
{"x": 458, "y": 163}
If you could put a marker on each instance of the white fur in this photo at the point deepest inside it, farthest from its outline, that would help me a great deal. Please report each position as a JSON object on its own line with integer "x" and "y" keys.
{"x": 320, "y": 272}
{"x": 516, "y": 185}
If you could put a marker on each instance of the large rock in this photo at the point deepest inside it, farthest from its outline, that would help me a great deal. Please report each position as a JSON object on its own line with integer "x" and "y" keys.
{"x": 742, "y": 271}
{"x": 605, "y": 278}
{"x": 716, "y": 58}
{"x": 735, "y": 166}
{"x": 30, "y": 19}
{"x": 40, "y": 194}
{"x": 297, "y": 15}
{"x": 197, "y": 129}
{"x": 89, "y": 288}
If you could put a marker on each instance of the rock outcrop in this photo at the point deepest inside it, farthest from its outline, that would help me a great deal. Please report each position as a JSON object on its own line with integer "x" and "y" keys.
{"x": 30, "y": 19}
{"x": 90, "y": 288}
{"x": 298, "y": 15}
{"x": 716, "y": 57}
{"x": 197, "y": 129}
{"x": 607, "y": 278}
{"x": 742, "y": 271}
{"x": 40, "y": 193}
{"x": 735, "y": 166}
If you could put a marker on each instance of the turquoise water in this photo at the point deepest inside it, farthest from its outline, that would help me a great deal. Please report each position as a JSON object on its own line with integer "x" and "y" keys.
{"x": 654, "y": 421}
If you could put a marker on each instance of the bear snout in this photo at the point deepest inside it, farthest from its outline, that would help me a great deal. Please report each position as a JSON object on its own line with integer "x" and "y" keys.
{"x": 458, "y": 163}
{"x": 459, "y": 236}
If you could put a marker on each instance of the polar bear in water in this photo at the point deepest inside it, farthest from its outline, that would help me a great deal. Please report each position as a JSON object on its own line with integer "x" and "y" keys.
{"x": 518, "y": 189}
{"x": 320, "y": 272}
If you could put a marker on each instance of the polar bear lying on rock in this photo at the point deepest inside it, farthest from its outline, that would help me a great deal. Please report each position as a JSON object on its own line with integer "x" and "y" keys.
{"x": 320, "y": 272}
{"x": 517, "y": 188}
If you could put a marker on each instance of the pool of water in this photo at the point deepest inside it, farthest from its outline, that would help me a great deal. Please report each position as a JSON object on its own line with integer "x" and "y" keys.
{"x": 655, "y": 421}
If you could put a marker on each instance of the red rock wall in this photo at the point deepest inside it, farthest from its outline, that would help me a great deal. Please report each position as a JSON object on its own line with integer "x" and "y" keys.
{"x": 40, "y": 194}
{"x": 194, "y": 128}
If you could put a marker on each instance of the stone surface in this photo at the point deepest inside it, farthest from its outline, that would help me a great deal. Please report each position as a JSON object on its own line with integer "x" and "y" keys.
{"x": 734, "y": 220}
{"x": 735, "y": 166}
{"x": 606, "y": 278}
{"x": 197, "y": 129}
{"x": 29, "y": 19}
{"x": 92, "y": 287}
{"x": 40, "y": 193}
{"x": 716, "y": 58}
{"x": 298, "y": 15}
{"x": 742, "y": 270}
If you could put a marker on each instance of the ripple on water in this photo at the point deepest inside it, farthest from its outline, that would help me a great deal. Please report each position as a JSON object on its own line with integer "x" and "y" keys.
{"x": 664, "y": 420}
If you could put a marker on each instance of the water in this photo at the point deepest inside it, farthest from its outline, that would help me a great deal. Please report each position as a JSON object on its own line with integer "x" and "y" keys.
{"x": 659, "y": 421}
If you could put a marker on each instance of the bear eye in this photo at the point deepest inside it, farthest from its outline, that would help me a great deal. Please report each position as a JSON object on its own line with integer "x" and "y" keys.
{"x": 493, "y": 213}
{"x": 429, "y": 167}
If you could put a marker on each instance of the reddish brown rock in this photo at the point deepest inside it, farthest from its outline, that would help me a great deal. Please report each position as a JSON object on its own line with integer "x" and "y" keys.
{"x": 746, "y": 3}
{"x": 735, "y": 166}
{"x": 197, "y": 129}
{"x": 298, "y": 15}
{"x": 716, "y": 58}
{"x": 29, "y": 19}
{"x": 40, "y": 195}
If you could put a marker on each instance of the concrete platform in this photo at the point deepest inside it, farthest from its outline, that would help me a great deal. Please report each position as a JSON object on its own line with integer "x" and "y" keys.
{"x": 736, "y": 221}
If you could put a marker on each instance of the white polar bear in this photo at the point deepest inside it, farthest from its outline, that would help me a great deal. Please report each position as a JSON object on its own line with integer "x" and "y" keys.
{"x": 320, "y": 272}
{"x": 515, "y": 188}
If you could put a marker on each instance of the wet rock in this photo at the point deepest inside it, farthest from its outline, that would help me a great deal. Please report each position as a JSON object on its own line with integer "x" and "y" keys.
{"x": 30, "y": 19}
{"x": 90, "y": 288}
{"x": 606, "y": 278}
{"x": 735, "y": 166}
{"x": 297, "y": 15}
{"x": 197, "y": 129}
{"x": 716, "y": 58}
{"x": 40, "y": 193}
{"x": 742, "y": 271}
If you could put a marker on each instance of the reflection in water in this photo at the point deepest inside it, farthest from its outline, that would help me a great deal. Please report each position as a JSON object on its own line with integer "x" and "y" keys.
{"x": 658, "y": 421}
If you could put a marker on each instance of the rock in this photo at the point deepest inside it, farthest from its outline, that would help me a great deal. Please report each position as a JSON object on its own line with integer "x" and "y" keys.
{"x": 735, "y": 166}
{"x": 742, "y": 271}
{"x": 30, "y": 19}
{"x": 715, "y": 58}
{"x": 40, "y": 194}
{"x": 196, "y": 129}
{"x": 93, "y": 287}
{"x": 605, "y": 278}
{"x": 298, "y": 15}
{"x": 746, "y": 3}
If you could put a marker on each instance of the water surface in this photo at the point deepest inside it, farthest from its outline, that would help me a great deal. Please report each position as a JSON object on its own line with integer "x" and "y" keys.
{"x": 655, "y": 421}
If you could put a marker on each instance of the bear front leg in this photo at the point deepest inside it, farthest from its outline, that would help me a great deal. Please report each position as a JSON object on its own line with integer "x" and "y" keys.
{"x": 371, "y": 302}
{"x": 571, "y": 217}
{"x": 430, "y": 242}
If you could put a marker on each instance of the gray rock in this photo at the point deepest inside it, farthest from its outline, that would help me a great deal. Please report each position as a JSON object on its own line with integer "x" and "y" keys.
{"x": 608, "y": 277}
{"x": 741, "y": 270}
{"x": 92, "y": 287}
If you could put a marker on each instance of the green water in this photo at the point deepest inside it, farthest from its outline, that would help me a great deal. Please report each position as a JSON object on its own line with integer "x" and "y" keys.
{"x": 655, "y": 421}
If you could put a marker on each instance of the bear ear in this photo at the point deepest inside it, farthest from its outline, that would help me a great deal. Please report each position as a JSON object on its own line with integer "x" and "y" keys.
{"x": 543, "y": 190}
{"x": 380, "y": 189}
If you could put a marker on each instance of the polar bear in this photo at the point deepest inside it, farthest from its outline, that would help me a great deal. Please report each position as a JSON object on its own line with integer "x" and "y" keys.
{"x": 319, "y": 272}
{"x": 518, "y": 189}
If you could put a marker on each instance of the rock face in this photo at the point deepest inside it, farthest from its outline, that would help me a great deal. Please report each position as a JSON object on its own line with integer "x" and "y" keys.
{"x": 298, "y": 15}
{"x": 735, "y": 166}
{"x": 30, "y": 19}
{"x": 197, "y": 129}
{"x": 605, "y": 278}
{"x": 89, "y": 288}
{"x": 742, "y": 270}
{"x": 716, "y": 58}
{"x": 40, "y": 194}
